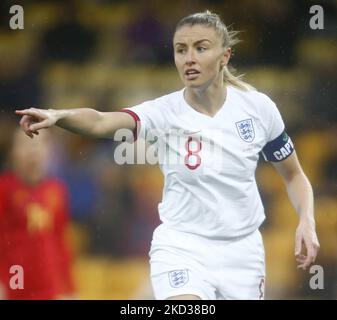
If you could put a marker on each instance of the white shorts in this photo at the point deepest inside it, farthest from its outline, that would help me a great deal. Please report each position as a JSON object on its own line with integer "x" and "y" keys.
{"x": 184, "y": 263}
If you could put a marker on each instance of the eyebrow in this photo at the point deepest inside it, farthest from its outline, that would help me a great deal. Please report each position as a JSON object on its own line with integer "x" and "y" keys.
{"x": 197, "y": 42}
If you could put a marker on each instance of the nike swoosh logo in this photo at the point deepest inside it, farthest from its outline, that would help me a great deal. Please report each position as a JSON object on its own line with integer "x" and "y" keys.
{"x": 190, "y": 132}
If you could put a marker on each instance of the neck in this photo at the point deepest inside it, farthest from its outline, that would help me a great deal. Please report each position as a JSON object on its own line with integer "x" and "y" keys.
{"x": 31, "y": 178}
{"x": 206, "y": 100}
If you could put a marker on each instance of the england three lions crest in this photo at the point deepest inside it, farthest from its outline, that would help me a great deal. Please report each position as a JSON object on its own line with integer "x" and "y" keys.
{"x": 178, "y": 278}
{"x": 246, "y": 130}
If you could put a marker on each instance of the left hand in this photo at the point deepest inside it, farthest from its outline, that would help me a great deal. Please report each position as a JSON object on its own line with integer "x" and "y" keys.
{"x": 306, "y": 237}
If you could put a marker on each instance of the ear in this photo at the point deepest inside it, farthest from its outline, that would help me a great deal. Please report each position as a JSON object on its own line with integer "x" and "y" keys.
{"x": 225, "y": 57}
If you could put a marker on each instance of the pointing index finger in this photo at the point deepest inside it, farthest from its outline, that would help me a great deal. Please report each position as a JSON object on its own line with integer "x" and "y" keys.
{"x": 20, "y": 111}
{"x": 29, "y": 112}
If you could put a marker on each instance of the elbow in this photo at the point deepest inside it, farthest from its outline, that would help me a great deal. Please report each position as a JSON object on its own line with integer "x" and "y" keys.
{"x": 296, "y": 176}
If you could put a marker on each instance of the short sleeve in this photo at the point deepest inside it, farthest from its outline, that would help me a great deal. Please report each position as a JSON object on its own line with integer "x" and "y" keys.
{"x": 149, "y": 119}
{"x": 275, "y": 124}
{"x": 278, "y": 144}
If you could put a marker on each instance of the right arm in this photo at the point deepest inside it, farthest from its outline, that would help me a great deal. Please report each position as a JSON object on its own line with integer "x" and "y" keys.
{"x": 84, "y": 121}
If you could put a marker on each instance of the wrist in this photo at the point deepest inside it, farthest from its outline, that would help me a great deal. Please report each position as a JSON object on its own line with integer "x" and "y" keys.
{"x": 59, "y": 115}
{"x": 307, "y": 220}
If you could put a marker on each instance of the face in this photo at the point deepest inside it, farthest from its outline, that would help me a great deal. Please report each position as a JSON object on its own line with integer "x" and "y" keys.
{"x": 29, "y": 156}
{"x": 199, "y": 55}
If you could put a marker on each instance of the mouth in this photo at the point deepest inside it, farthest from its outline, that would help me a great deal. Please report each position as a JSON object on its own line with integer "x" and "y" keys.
{"x": 191, "y": 74}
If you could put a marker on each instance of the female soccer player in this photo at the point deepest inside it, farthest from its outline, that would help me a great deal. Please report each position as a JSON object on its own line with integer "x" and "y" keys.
{"x": 208, "y": 245}
{"x": 34, "y": 217}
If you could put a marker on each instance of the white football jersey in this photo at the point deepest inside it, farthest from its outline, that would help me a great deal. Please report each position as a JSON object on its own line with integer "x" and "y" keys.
{"x": 209, "y": 162}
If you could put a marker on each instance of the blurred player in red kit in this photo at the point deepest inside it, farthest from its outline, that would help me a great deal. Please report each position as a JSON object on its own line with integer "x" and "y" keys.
{"x": 33, "y": 222}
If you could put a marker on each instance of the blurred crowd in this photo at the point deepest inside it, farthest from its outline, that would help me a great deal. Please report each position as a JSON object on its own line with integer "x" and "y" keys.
{"x": 113, "y": 54}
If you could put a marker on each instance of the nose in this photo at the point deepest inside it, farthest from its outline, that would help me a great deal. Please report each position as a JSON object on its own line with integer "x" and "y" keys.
{"x": 189, "y": 57}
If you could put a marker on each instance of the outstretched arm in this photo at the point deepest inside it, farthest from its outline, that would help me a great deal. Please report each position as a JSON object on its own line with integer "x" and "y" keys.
{"x": 84, "y": 121}
{"x": 301, "y": 196}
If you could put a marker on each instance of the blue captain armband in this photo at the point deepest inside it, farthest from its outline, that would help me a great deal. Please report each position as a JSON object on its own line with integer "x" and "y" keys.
{"x": 278, "y": 149}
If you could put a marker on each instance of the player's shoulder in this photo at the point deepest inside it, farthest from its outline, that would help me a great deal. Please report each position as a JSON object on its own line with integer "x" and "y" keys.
{"x": 161, "y": 105}
{"x": 9, "y": 182}
{"x": 256, "y": 99}
{"x": 169, "y": 99}
{"x": 253, "y": 95}
{"x": 8, "y": 177}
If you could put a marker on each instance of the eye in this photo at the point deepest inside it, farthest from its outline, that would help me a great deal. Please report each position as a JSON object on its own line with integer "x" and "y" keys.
{"x": 181, "y": 50}
{"x": 201, "y": 49}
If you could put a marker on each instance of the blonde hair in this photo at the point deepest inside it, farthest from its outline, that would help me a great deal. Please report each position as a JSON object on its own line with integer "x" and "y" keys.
{"x": 229, "y": 39}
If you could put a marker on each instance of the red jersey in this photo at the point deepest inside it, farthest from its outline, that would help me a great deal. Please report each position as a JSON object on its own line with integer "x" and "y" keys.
{"x": 33, "y": 221}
